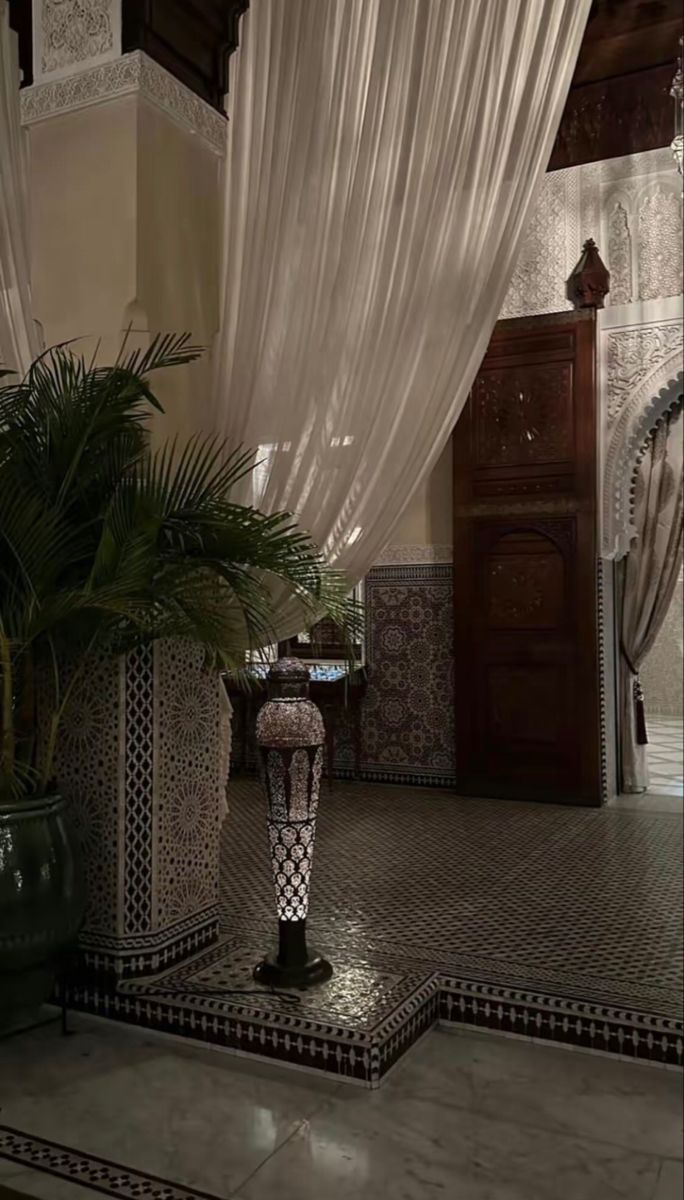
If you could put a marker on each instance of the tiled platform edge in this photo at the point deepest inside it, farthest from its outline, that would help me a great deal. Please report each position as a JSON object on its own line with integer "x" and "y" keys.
{"x": 362, "y": 1047}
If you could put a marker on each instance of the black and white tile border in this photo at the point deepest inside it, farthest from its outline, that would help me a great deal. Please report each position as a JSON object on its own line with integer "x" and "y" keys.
{"x": 98, "y": 1174}
{"x": 146, "y": 955}
{"x": 331, "y": 1046}
{"x": 576, "y": 1023}
{"x": 363, "y": 1053}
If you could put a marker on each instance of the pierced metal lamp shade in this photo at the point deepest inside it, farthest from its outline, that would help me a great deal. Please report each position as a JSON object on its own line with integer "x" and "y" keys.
{"x": 291, "y": 736}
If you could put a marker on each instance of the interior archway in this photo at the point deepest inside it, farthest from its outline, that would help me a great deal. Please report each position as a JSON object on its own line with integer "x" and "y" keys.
{"x": 648, "y": 616}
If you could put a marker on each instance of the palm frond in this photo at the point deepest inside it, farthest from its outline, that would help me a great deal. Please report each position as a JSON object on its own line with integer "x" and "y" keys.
{"x": 105, "y": 543}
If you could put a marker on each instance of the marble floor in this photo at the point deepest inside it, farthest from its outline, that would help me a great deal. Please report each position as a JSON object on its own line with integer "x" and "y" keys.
{"x": 468, "y": 1116}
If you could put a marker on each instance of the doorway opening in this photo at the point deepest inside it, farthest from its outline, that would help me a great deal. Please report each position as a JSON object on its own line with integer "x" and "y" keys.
{"x": 649, "y": 614}
{"x": 662, "y": 681}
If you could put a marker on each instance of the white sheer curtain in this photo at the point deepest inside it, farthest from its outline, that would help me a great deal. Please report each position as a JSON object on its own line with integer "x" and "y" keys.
{"x": 383, "y": 156}
{"x": 19, "y": 341}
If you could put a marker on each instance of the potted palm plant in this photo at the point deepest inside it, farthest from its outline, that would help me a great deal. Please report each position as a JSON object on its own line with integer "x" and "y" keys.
{"x": 106, "y": 544}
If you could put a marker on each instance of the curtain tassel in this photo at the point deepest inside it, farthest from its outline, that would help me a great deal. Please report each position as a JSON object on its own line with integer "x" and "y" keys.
{"x": 640, "y": 714}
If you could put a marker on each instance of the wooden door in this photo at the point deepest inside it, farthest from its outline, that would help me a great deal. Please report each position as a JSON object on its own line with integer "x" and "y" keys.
{"x": 525, "y": 480}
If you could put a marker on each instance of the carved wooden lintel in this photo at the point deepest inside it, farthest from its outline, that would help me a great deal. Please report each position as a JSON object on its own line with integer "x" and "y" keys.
{"x": 589, "y": 281}
{"x": 628, "y": 114}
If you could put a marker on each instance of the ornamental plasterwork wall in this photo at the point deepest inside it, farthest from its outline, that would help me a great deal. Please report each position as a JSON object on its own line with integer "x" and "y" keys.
{"x": 410, "y": 555}
{"x": 73, "y": 35}
{"x": 632, "y": 207}
{"x": 128, "y": 74}
{"x": 643, "y": 377}
{"x": 550, "y": 248}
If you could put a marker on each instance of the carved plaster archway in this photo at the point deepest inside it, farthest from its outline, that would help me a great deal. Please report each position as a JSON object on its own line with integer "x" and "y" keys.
{"x": 656, "y": 391}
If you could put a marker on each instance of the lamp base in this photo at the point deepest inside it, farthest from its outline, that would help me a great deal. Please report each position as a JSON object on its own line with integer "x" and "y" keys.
{"x": 294, "y": 966}
{"x": 275, "y": 974}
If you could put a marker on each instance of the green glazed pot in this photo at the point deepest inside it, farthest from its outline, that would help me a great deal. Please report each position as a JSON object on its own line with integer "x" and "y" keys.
{"x": 42, "y": 901}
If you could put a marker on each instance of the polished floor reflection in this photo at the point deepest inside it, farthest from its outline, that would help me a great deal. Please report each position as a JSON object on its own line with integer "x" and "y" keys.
{"x": 466, "y": 1116}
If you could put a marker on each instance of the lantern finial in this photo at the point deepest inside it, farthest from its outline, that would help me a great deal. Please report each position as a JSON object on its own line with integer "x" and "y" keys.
{"x": 589, "y": 282}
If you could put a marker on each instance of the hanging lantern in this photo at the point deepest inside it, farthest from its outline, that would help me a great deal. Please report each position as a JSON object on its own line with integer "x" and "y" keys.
{"x": 291, "y": 737}
{"x": 677, "y": 93}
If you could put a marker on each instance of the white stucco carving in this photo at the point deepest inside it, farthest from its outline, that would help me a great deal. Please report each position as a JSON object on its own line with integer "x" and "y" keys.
{"x": 645, "y": 377}
{"x": 71, "y": 35}
{"x": 415, "y": 555}
{"x": 619, "y": 254}
{"x": 129, "y": 74}
{"x": 635, "y": 357}
{"x": 659, "y": 233}
{"x": 550, "y": 249}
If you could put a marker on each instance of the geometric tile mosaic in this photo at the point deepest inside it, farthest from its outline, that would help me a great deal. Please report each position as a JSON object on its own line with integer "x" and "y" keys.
{"x": 140, "y": 759}
{"x": 407, "y": 725}
{"x": 408, "y": 711}
{"x": 542, "y": 921}
{"x": 139, "y": 768}
{"x": 550, "y": 896}
{"x": 89, "y": 1170}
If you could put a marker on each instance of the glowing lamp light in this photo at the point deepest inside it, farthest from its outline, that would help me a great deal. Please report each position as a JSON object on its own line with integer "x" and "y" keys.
{"x": 291, "y": 737}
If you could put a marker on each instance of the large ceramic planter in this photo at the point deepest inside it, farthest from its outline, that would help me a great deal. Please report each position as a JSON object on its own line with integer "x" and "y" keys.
{"x": 41, "y": 902}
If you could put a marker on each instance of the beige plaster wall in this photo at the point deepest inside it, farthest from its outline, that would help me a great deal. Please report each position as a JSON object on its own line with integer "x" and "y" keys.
{"x": 125, "y": 228}
{"x": 178, "y": 254}
{"x": 83, "y": 221}
{"x": 429, "y": 518}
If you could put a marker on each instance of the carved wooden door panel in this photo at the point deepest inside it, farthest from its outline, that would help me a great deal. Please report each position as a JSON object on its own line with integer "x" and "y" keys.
{"x": 525, "y": 567}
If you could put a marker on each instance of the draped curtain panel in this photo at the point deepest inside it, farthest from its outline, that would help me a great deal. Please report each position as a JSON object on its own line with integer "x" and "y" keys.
{"x": 649, "y": 577}
{"x": 19, "y": 341}
{"x": 383, "y": 157}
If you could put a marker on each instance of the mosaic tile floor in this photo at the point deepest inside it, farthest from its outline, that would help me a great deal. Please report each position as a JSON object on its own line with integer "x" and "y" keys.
{"x": 666, "y": 756}
{"x": 546, "y": 922}
{"x": 545, "y": 897}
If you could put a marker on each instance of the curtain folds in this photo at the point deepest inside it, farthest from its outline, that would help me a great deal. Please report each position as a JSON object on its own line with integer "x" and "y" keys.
{"x": 648, "y": 578}
{"x": 383, "y": 158}
{"x": 19, "y": 340}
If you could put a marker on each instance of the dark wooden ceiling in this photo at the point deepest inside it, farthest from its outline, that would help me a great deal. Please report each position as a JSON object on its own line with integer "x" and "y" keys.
{"x": 619, "y": 101}
{"x": 623, "y": 36}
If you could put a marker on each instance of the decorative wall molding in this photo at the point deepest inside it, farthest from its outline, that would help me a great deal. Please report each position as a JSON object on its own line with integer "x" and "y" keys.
{"x": 74, "y": 35}
{"x": 634, "y": 359}
{"x": 129, "y": 75}
{"x": 418, "y": 555}
{"x": 635, "y": 412}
